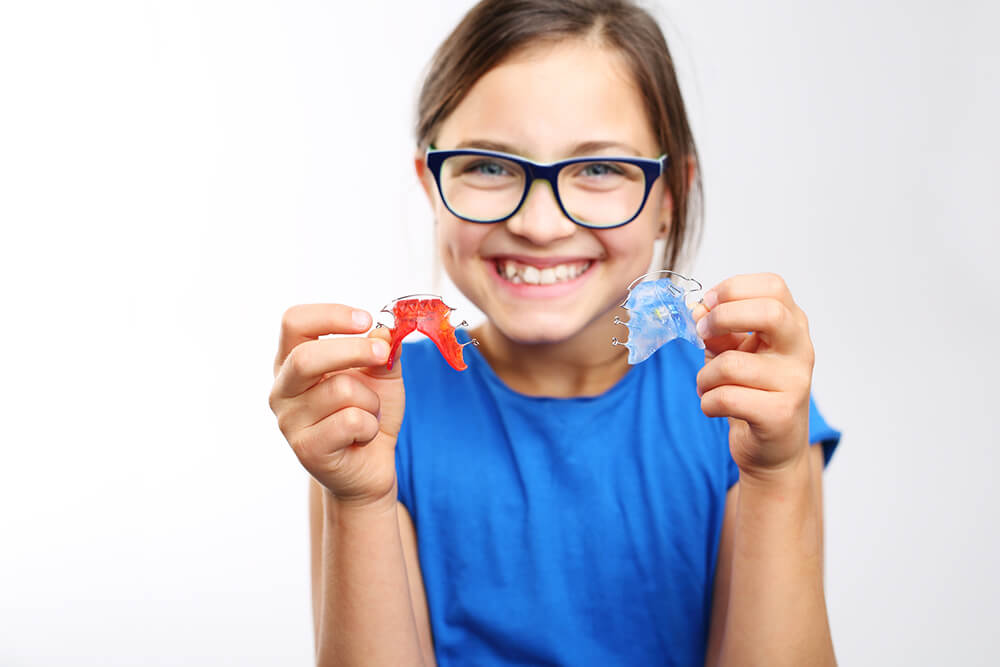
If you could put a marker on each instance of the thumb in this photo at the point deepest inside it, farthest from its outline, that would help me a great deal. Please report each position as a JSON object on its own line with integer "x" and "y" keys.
{"x": 391, "y": 369}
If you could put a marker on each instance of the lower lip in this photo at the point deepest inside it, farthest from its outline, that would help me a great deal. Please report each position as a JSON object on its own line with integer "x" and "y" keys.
{"x": 524, "y": 290}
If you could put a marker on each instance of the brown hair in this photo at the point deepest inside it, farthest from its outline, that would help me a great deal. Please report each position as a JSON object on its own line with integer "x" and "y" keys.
{"x": 495, "y": 29}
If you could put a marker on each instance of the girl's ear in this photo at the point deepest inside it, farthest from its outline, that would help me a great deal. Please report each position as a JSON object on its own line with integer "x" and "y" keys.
{"x": 692, "y": 166}
{"x": 666, "y": 213}
{"x": 425, "y": 177}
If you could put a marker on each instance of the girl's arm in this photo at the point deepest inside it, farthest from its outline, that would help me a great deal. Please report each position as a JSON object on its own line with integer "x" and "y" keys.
{"x": 770, "y": 608}
{"x": 768, "y": 605}
{"x": 369, "y": 606}
{"x": 341, "y": 408}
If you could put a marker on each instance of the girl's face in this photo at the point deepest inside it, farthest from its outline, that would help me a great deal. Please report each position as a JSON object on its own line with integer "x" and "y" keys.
{"x": 547, "y": 104}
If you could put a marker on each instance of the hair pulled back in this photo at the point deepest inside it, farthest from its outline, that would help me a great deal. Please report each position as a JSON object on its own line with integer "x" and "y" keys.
{"x": 493, "y": 30}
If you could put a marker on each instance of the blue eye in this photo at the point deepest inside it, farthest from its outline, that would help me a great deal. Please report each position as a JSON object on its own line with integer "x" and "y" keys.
{"x": 486, "y": 168}
{"x": 601, "y": 169}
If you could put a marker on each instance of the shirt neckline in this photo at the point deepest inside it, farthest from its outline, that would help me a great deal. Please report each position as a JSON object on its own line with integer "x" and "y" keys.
{"x": 478, "y": 364}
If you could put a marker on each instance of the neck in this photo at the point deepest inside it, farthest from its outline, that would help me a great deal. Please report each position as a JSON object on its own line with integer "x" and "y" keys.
{"x": 585, "y": 365}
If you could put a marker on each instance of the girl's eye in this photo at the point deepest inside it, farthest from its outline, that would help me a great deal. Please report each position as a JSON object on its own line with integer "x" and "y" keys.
{"x": 486, "y": 168}
{"x": 598, "y": 169}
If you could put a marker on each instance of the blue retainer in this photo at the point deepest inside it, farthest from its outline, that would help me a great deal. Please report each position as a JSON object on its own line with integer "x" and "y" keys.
{"x": 657, "y": 315}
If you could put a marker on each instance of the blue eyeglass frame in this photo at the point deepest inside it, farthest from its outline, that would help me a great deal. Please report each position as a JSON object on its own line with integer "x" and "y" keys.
{"x": 652, "y": 169}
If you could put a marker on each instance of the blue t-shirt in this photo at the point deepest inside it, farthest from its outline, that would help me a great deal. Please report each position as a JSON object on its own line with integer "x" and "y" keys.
{"x": 567, "y": 531}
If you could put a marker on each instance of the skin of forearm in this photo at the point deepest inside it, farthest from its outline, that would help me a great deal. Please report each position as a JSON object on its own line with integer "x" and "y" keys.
{"x": 366, "y": 617}
{"x": 777, "y": 609}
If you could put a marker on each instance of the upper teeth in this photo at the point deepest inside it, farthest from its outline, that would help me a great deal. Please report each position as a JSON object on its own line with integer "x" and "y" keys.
{"x": 532, "y": 275}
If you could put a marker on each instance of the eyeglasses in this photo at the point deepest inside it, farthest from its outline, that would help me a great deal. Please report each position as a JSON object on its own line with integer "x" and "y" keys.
{"x": 596, "y": 192}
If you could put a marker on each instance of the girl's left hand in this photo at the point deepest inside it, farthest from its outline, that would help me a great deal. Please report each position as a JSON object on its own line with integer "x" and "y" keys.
{"x": 760, "y": 380}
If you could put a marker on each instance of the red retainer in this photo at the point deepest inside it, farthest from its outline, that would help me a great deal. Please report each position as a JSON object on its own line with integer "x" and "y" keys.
{"x": 429, "y": 317}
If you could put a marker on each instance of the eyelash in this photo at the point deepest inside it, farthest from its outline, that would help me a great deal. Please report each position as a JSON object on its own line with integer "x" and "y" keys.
{"x": 475, "y": 167}
{"x": 611, "y": 169}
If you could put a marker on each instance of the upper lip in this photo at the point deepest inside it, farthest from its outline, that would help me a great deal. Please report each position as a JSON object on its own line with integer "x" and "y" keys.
{"x": 540, "y": 262}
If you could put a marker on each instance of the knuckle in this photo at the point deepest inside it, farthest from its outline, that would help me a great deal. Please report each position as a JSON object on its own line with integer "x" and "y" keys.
{"x": 726, "y": 399}
{"x": 723, "y": 290}
{"x": 731, "y": 364}
{"x": 353, "y": 419}
{"x": 298, "y": 360}
{"x": 360, "y": 425}
{"x": 371, "y": 428}
{"x": 291, "y": 318}
{"x": 283, "y": 423}
{"x": 775, "y": 283}
{"x": 342, "y": 389}
{"x": 708, "y": 405}
{"x": 774, "y": 314}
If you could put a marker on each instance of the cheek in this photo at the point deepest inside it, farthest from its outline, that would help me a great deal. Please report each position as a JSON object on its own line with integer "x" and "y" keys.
{"x": 631, "y": 244}
{"x": 457, "y": 240}
{"x": 446, "y": 233}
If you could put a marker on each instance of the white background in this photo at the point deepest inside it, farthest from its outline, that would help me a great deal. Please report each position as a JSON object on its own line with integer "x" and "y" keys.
{"x": 174, "y": 174}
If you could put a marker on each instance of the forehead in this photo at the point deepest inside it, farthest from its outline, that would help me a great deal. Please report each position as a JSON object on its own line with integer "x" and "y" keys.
{"x": 545, "y": 100}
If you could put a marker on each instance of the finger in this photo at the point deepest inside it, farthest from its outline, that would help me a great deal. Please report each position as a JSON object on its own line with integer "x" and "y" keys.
{"x": 310, "y": 321}
{"x": 757, "y": 408}
{"x": 308, "y": 362}
{"x": 768, "y": 317}
{"x": 750, "y": 286}
{"x": 748, "y": 370}
{"x": 381, "y": 370}
{"x": 750, "y": 343}
{"x": 719, "y": 344}
{"x": 350, "y": 426}
{"x": 698, "y": 311}
{"x": 324, "y": 399}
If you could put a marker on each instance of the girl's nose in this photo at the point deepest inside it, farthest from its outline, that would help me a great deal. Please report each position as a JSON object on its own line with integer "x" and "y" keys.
{"x": 540, "y": 220}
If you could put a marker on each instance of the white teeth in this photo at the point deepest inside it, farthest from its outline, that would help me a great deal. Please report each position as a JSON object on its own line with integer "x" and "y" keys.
{"x": 532, "y": 275}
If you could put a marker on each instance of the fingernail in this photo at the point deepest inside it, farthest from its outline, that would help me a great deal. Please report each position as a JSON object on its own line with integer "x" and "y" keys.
{"x": 360, "y": 319}
{"x": 380, "y": 349}
{"x": 711, "y": 299}
{"x": 702, "y": 327}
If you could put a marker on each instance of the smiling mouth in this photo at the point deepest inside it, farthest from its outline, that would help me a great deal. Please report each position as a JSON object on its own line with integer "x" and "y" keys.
{"x": 519, "y": 273}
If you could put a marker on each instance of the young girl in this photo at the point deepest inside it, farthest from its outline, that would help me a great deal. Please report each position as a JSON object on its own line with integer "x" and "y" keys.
{"x": 552, "y": 505}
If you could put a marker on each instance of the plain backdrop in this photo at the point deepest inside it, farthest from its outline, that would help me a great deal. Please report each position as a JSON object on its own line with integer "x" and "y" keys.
{"x": 174, "y": 174}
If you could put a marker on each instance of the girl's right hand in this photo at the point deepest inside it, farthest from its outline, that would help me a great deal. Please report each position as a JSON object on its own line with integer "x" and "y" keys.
{"x": 336, "y": 404}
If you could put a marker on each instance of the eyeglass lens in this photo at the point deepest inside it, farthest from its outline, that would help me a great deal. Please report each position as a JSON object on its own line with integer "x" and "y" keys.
{"x": 599, "y": 193}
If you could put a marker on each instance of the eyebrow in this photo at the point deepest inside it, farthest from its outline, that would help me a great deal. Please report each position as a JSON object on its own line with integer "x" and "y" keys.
{"x": 583, "y": 148}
